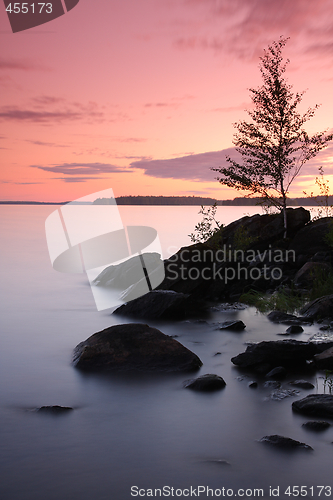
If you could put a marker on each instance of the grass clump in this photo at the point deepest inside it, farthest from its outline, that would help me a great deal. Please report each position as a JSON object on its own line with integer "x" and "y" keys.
{"x": 283, "y": 300}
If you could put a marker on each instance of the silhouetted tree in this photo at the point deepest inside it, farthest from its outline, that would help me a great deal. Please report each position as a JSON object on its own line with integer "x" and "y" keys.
{"x": 274, "y": 145}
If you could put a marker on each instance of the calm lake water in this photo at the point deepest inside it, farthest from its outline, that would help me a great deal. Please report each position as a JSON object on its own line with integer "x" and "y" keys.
{"x": 145, "y": 431}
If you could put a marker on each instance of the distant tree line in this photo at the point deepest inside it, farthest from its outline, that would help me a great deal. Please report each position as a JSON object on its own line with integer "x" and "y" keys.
{"x": 200, "y": 201}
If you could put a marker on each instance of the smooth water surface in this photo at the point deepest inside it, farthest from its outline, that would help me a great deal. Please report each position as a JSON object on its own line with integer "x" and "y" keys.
{"x": 127, "y": 430}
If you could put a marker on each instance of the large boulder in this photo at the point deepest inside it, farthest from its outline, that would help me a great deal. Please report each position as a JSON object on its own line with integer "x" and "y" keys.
{"x": 311, "y": 239}
{"x": 265, "y": 229}
{"x": 134, "y": 347}
{"x": 321, "y": 308}
{"x": 263, "y": 357}
{"x": 160, "y": 304}
{"x": 315, "y": 405}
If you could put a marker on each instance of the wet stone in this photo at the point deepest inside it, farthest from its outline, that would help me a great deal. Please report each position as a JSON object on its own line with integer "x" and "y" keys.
{"x": 205, "y": 383}
{"x": 283, "y": 442}
{"x": 316, "y": 425}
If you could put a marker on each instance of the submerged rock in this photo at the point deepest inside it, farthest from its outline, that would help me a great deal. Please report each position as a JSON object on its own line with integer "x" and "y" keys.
{"x": 134, "y": 347}
{"x": 316, "y": 405}
{"x": 54, "y": 410}
{"x": 316, "y": 425}
{"x": 206, "y": 383}
{"x": 280, "y": 394}
{"x": 302, "y": 384}
{"x": 283, "y": 442}
{"x": 277, "y": 373}
{"x": 272, "y": 384}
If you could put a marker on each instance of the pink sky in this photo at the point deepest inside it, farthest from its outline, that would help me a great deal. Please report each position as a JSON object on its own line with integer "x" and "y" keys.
{"x": 141, "y": 95}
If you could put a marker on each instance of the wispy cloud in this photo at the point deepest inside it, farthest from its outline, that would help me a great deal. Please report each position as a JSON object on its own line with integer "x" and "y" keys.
{"x": 78, "y": 179}
{"x": 53, "y": 110}
{"x": 247, "y": 27}
{"x": 191, "y": 167}
{"x": 47, "y": 144}
{"x": 82, "y": 170}
{"x": 21, "y": 65}
{"x": 197, "y": 167}
{"x": 16, "y": 183}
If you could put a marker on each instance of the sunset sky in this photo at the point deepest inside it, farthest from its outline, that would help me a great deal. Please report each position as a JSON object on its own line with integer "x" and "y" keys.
{"x": 140, "y": 95}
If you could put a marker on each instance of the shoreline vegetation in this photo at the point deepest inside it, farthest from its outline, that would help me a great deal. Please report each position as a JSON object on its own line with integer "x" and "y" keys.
{"x": 183, "y": 200}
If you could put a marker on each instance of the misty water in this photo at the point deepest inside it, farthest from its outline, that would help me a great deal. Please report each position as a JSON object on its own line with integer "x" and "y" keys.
{"x": 126, "y": 430}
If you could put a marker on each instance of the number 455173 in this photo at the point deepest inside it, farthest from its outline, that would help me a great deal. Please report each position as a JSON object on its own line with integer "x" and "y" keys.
{"x": 25, "y": 8}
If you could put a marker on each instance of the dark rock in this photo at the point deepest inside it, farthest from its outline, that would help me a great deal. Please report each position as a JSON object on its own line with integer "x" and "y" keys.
{"x": 316, "y": 425}
{"x": 236, "y": 325}
{"x": 291, "y": 354}
{"x": 321, "y": 308}
{"x": 206, "y": 383}
{"x": 316, "y": 405}
{"x": 123, "y": 275}
{"x": 311, "y": 239}
{"x": 217, "y": 353}
{"x": 279, "y": 317}
{"x": 54, "y": 410}
{"x": 160, "y": 304}
{"x": 324, "y": 360}
{"x": 294, "y": 329}
{"x": 302, "y": 384}
{"x": 134, "y": 347}
{"x": 308, "y": 273}
{"x": 321, "y": 257}
{"x": 286, "y": 319}
{"x": 284, "y": 442}
{"x": 277, "y": 373}
{"x": 253, "y": 384}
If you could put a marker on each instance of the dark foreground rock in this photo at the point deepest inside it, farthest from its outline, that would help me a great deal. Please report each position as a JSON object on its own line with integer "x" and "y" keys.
{"x": 263, "y": 357}
{"x": 54, "y": 410}
{"x": 316, "y": 425}
{"x": 206, "y": 383}
{"x": 161, "y": 304}
{"x": 285, "y": 443}
{"x": 134, "y": 347}
{"x": 316, "y": 405}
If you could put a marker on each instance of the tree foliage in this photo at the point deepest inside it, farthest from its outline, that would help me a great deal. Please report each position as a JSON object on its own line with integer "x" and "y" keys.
{"x": 274, "y": 145}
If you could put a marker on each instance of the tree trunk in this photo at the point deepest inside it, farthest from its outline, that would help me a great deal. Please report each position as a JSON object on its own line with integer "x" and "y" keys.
{"x": 285, "y": 225}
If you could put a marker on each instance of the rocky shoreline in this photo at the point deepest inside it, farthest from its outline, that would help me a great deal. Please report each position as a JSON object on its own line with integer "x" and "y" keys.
{"x": 248, "y": 254}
